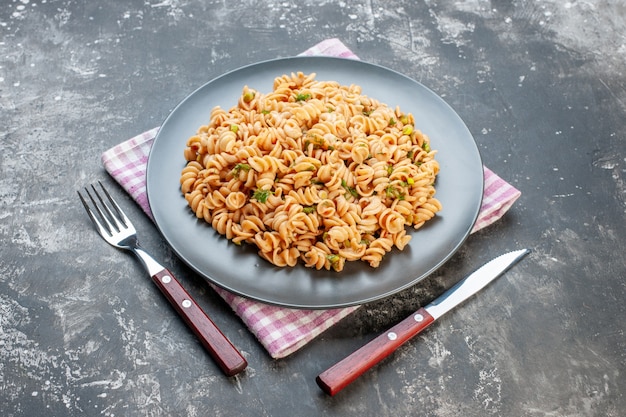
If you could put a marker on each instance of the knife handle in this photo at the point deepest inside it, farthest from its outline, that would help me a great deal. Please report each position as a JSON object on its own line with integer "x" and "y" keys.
{"x": 340, "y": 375}
{"x": 221, "y": 349}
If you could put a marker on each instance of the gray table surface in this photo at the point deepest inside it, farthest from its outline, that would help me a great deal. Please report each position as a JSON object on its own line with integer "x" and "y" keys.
{"x": 540, "y": 84}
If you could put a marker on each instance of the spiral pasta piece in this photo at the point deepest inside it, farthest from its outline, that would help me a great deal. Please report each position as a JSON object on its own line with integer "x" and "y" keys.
{"x": 312, "y": 171}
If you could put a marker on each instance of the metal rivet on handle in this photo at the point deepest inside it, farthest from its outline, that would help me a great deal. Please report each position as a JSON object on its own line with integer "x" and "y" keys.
{"x": 186, "y": 303}
{"x": 392, "y": 336}
{"x": 418, "y": 317}
{"x": 166, "y": 279}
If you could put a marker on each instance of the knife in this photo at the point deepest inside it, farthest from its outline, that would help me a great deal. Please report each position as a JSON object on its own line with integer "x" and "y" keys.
{"x": 340, "y": 375}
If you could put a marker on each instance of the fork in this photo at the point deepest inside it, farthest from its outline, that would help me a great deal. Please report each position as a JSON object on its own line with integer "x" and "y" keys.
{"x": 115, "y": 228}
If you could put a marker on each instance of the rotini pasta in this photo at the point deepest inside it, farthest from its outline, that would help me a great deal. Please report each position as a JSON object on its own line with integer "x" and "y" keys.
{"x": 312, "y": 171}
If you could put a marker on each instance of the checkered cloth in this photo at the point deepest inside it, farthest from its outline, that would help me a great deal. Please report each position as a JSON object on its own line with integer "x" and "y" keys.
{"x": 280, "y": 330}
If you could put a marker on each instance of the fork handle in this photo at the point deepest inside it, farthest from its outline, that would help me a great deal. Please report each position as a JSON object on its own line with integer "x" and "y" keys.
{"x": 221, "y": 349}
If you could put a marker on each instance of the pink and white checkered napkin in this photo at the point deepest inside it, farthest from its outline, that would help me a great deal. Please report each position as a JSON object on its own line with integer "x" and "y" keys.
{"x": 280, "y": 330}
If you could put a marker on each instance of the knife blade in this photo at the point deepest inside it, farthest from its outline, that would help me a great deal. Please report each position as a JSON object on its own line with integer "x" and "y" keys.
{"x": 343, "y": 373}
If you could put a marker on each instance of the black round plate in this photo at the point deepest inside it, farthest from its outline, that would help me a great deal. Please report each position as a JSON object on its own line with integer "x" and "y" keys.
{"x": 239, "y": 269}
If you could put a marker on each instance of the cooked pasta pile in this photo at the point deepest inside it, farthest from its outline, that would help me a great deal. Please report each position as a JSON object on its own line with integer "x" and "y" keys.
{"x": 312, "y": 171}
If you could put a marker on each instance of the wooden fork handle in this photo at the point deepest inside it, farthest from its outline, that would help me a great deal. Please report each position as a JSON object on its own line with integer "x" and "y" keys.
{"x": 221, "y": 349}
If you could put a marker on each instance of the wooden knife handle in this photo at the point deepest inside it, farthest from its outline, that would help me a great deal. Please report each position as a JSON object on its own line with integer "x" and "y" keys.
{"x": 221, "y": 349}
{"x": 340, "y": 375}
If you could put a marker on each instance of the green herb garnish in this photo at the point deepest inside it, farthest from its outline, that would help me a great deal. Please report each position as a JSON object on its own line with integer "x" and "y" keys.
{"x": 240, "y": 167}
{"x": 247, "y": 98}
{"x": 350, "y": 190}
{"x": 318, "y": 143}
{"x": 333, "y": 258}
{"x": 303, "y": 97}
{"x": 261, "y": 195}
{"x": 392, "y": 192}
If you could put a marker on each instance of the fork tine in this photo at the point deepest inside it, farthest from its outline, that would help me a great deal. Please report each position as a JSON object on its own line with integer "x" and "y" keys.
{"x": 103, "y": 230}
{"x": 105, "y": 213}
{"x": 121, "y": 216}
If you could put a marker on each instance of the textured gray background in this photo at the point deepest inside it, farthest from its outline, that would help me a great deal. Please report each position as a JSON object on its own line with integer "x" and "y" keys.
{"x": 541, "y": 85}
